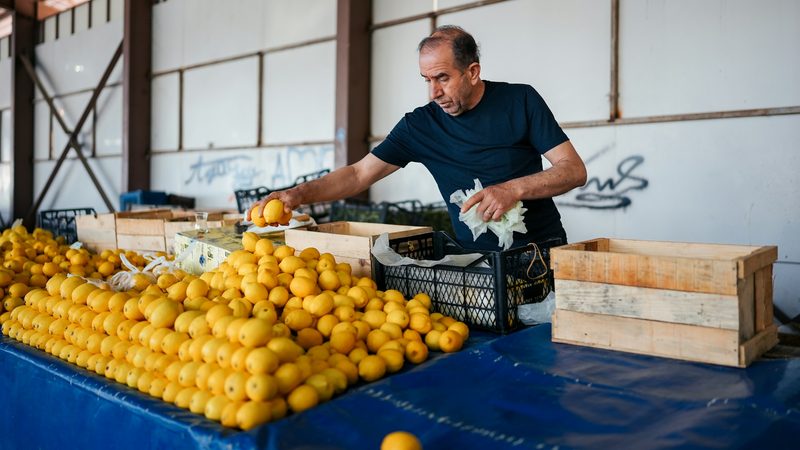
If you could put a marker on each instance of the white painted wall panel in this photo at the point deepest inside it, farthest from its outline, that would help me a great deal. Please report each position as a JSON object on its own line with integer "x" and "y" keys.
{"x": 396, "y": 85}
{"x": 77, "y": 62}
{"x": 109, "y": 122}
{"x": 214, "y": 29}
{"x": 442, "y": 4}
{"x": 5, "y": 135}
{"x": 117, "y": 10}
{"x": 81, "y": 18}
{"x": 99, "y": 13}
{"x": 50, "y": 29}
{"x": 70, "y": 108}
{"x": 689, "y": 56}
{"x": 292, "y": 21}
{"x": 168, "y": 32}
{"x": 5, "y": 80}
{"x": 397, "y": 186}
{"x": 299, "y": 94}
{"x": 220, "y": 105}
{"x": 385, "y": 10}
{"x": 559, "y": 47}
{"x": 72, "y": 187}
{"x": 41, "y": 131}
{"x": 212, "y": 176}
{"x": 164, "y": 115}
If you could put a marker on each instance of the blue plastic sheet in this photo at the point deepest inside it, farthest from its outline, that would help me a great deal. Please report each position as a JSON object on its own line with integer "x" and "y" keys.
{"x": 515, "y": 391}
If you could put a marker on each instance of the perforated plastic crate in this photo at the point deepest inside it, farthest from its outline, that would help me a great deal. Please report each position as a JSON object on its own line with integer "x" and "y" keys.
{"x": 358, "y": 211}
{"x": 61, "y": 222}
{"x": 246, "y": 197}
{"x": 485, "y": 294}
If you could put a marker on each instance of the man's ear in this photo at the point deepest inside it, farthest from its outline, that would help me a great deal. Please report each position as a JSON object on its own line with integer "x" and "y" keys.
{"x": 474, "y": 73}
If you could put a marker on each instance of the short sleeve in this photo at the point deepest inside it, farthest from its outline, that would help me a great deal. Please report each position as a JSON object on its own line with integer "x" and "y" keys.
{"x": 396, "y": 148}
{"x": 544, "y": 131}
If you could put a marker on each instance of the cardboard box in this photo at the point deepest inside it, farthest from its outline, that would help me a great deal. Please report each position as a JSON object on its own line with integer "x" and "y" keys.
{"x": 175, "y": 226}
{"x": 349, "y": 242}
{"x": 698, "y": 302}
{"x": 197, "y": 252}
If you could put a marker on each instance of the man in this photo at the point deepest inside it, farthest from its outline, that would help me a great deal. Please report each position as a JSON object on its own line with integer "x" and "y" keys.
{"x": 496, "y": 132}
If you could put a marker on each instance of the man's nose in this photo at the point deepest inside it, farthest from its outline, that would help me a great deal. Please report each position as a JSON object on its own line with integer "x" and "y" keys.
{"x": 435, "y": 90}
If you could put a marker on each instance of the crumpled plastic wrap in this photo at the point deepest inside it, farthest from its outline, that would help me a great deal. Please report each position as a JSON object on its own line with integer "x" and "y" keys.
{"x": 513, "y": 220}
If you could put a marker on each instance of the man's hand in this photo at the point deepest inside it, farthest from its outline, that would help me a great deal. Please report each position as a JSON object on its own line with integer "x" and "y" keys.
{"x": 290, "y": 197}
{"x": 492, "y": 201}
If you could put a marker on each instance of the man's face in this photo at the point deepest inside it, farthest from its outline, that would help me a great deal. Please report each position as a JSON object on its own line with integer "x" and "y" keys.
{"x": 452, "y": 89}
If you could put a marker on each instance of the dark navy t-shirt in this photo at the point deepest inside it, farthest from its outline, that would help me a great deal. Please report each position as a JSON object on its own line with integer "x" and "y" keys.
{"x": 502, "y": 138}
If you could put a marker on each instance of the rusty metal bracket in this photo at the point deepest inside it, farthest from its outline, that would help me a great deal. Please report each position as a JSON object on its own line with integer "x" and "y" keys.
{"x": 72, "y": 141}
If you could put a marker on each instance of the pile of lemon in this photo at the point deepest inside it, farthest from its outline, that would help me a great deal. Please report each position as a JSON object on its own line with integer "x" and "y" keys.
{"x": 271, "y": 330}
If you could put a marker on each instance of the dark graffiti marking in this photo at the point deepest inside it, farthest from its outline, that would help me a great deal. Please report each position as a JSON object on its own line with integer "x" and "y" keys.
{"x": 613, "y": 192}
{"x": 205, "y": 172}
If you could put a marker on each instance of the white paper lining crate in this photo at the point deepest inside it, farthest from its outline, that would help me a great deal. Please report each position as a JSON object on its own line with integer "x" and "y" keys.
{"x": 349, "y": 242}
{"x": 698, "y": 302}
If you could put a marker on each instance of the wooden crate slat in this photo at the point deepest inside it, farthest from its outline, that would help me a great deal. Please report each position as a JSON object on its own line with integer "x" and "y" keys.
{"x": 760, "y": 343}
{"x": 684, "y": 274}
{"x": 746, "y": 308}
{"x": 692, "y": 308}
{"x": 760, "y": 258}
{"x": 141, "y": 242}
{"x": 687, "y": 342}
{"x": 680, "y": 249}
{"x": 763, "y": 298}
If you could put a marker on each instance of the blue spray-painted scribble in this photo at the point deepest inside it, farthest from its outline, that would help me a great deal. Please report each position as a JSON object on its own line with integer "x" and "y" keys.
{"x": 205, "y": 172}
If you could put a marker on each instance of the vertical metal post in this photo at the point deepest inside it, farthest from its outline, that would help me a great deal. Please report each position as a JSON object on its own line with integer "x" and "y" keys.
{"x": 137, "y": 50}
{"x": 23, "y": 39}
{"x": 614, "y": 91}
{"x": 353, "y": 65}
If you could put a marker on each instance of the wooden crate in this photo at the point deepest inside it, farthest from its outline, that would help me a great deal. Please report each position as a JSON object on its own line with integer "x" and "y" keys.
{"x": 97, "y": 232}
{"x": 349, "y": 242}
{"x": 699, "y": 302}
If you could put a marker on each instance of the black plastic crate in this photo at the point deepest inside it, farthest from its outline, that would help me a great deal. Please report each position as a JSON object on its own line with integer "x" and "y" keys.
{"x": 484, "y": 297}
{"x": 246, "y": 197}
{"x": 358, "y": 211}
{"x": 61, "y": 222}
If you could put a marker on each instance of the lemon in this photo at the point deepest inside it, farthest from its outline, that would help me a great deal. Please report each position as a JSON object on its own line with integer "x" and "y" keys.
{"x": 298, "y": 319}
{"x": 420, "y": 323}
{"x": 196, "y": 347}
{"x": 210, "y": 349}
{"x": 263, "y": 247}
{"x": 302, "y": 398}
{"x": 400, "y": 440}
{"x": 203, "y": 374}
{"x": 432, "y": 340}
{"x": 274, "y": 212}
{"x": 185, "y": 319}
{"x": 322, "y": 385}
{"x": 288, "y": 376}
{"x": 172, "y": 342}
{"x": 461, "y": 328}
{"x": 249, "y": 240}
{"x": 198, "y": 326}
{"x": 255, "y": 217}
{"x": 255, "y": 332}
{"x": 216, "y": 381}
{"x": 197, "y": 288}
{"x": 291, "y": 263}
{"x": 255, "y": 292}
{"x": 450, "y": 341}
{"x": 261, "y": 387}
{"x": 371, "y": 368}
{"x": 165, "y": 313}
{"x": 393, "y": 359}
{"x": 392, "y": 329}
{"x": 239, "y": 358}
{"x": 225, "y": 353}
{"x": 343, "y": 341}
{"x": 214, "y": 407}
{"x": 262, "y": 361}
{"x": 235, "y": 386}
{"x": 232, "y": 330}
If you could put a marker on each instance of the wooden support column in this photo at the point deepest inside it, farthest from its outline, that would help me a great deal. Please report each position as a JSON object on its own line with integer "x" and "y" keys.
{"x": 137, "y": 70}
{"x": 353, "y": 39}
{"x": 23, "y": 43}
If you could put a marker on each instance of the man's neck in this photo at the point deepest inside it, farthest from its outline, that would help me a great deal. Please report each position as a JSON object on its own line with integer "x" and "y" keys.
{"x": 480, "y": 89}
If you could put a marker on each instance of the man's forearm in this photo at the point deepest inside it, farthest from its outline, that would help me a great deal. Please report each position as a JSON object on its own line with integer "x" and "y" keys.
{"x": 340, "y": 183}
{"x": 548, "y": 183}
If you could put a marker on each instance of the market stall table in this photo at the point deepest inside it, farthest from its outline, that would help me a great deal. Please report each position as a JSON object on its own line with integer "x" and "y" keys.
{"x": 514, "y": 391}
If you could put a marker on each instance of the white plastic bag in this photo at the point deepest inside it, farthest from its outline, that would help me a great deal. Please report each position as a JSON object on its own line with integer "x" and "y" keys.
{"x": 513, "y": 220}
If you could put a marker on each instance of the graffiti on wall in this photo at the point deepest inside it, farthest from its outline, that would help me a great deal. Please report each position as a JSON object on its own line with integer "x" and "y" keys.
{"x": 612, "y": 192}
{"x": 205, "y": 172}
{"x": 272, "y": 168}
{"x": 298, "y": 161}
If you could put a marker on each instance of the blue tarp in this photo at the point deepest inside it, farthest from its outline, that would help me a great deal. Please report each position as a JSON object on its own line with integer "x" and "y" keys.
{"x": 515, "y": 391}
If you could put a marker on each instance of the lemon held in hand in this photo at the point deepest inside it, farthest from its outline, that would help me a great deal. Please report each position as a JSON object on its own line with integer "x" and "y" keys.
{"x": 273, "y": 213}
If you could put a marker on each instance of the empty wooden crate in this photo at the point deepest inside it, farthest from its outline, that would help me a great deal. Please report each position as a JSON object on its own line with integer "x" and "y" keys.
{"x": 698, "y": 302}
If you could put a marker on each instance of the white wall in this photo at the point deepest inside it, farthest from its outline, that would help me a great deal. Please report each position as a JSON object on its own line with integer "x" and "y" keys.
{"x": 221, "y": 100}
{"x": 726, "y": 180}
